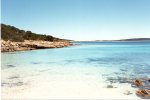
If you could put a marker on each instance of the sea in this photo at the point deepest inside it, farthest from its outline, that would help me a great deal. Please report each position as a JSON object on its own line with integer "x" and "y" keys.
{"x": 87, "y": 70}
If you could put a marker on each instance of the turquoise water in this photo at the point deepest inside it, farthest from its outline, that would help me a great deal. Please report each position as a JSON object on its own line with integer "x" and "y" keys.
{"x": 101, "y": 60}
{"x": 111, "y": 55}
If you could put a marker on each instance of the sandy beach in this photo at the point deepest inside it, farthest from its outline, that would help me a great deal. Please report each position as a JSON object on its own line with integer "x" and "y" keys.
{"x": 60, "y": 85}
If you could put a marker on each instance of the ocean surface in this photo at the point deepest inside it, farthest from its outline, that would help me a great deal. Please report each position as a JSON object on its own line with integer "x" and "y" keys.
{"x": 88, "y": 70}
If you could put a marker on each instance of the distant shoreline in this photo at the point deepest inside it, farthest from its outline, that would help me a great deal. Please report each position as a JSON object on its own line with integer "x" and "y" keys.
{"x": 121, "y": 40}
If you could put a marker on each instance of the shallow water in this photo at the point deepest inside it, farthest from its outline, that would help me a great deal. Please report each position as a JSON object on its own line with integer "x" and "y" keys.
{"x": 73, "y": 72}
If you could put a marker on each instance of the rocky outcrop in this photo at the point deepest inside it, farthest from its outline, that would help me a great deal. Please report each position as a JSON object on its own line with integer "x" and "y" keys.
{"x": 9, "y": 46}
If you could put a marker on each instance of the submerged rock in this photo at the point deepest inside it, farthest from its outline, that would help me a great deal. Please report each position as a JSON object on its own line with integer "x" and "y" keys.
{"x": 110, "y": 86}
{"x": 127, "y": 92}
{"x": 11, "y": 66}
{"x": 35, "y": 62}
{"x": 9, "y": 84}
{"x": 142, "y": 82}
{"x": 118, "y": 80}
{"x": 13, "y": 77}
{"x": 124, "y": 70}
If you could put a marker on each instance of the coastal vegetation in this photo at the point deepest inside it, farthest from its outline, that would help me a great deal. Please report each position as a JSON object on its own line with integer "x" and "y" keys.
{"x": 15, "y": 39}
{"x": 15, "y": 34}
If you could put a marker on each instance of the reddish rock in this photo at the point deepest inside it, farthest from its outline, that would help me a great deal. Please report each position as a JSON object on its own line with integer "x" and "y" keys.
{"x": 9, "y": 46}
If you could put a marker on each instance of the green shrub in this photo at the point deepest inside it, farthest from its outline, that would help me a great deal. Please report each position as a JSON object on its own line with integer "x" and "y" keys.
{"x": 14, "y": 34}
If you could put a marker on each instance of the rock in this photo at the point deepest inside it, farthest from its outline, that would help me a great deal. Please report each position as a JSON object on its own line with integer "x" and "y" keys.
{"x": 9, "y": 46}
{"x": 127, "y": 92}
{"x": 138, "y": 82}
{"x": 11, "y": 66}
{"x": 144, "y": 94}
{"x": 110, "y": 86}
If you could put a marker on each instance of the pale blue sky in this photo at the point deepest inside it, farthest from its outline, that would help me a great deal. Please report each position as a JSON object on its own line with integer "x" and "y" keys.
{"x": 80, "y": 19}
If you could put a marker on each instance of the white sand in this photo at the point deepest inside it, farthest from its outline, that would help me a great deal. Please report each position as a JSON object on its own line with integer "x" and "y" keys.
{"x": 62, "y": 86}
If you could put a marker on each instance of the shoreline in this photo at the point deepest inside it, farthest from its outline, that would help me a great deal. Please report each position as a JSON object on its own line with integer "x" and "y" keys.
{"x": 11, "y": 46}
{"x": 55, "y": 71}
{"x": 76, "y": 86}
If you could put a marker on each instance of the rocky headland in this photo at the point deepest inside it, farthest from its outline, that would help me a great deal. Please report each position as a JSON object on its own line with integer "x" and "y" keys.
{"x": 15, "y": 39}
{"x": 11, "y": 46}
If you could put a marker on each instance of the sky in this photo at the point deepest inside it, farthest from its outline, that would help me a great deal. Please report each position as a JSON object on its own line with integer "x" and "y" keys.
{"x": 80, "y": 19}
